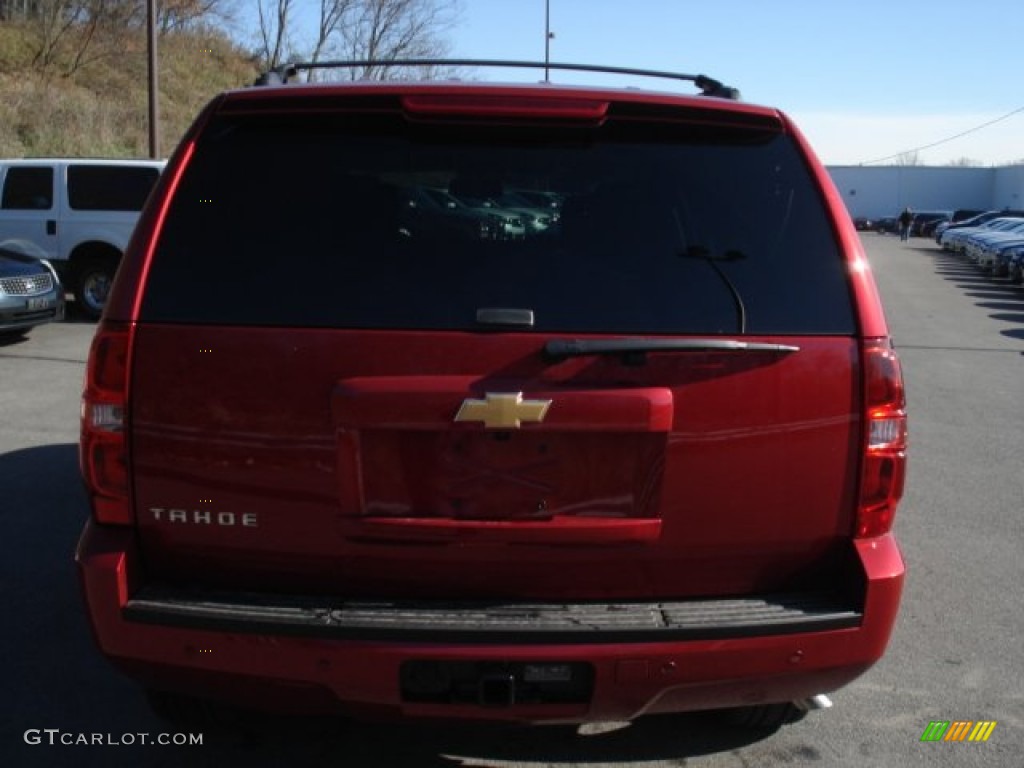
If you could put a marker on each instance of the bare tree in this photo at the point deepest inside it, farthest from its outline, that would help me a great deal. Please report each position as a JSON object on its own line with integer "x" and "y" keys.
{"x": 364, "y": 30}
{"x": 86, "y": 34}
{"x": 70, "y": 34}
{"x": 176, "y": 15}
{"x": 54, "y": 22}
{"x": 397, "y": 29}
{"x": 383, "y": 30}
{"x": 98, "y": 30}
{"x": 908, "y": 159}
{"x": 19, "y": 10}
{"x": 274, "y": 18}
{"x": 333, "y": 15}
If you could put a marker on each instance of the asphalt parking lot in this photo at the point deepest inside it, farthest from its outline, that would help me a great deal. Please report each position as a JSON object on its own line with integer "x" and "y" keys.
{"x": 956, "y": 653}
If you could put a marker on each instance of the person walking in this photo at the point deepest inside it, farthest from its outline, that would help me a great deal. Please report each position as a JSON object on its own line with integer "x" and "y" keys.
{"x": 905, "y": 219}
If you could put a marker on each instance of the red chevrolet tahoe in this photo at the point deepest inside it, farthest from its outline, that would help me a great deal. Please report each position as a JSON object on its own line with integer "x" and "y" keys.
{"x": 514, "y": 402}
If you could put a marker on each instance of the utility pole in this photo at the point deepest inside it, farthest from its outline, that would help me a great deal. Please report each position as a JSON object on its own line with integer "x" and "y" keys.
{"x": 154, "y": 102}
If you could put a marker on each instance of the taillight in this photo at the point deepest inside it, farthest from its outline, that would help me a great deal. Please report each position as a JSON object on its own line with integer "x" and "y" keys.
{"x": 103, "y": 454}
{"x": 885, "y": 441}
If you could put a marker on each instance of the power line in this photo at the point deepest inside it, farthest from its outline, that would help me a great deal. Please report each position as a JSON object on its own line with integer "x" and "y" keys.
{"x": 946, "y": 140}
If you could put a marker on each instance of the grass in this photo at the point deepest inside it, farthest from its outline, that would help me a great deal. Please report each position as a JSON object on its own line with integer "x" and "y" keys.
{"x": 100, "y": 110}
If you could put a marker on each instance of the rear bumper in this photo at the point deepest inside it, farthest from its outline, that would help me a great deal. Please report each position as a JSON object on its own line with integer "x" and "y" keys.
{"x": 295, "y": 656}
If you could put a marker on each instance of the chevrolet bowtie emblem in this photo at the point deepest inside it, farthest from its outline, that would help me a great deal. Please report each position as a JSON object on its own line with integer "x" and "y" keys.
{"x": 503, "y": 410}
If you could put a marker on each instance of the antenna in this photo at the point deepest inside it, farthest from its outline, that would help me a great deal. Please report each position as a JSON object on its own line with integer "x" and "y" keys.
{"x": 548, "y": 36}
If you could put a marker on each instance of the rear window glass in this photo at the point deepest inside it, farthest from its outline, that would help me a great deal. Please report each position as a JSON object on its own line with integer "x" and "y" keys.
{"x": 109, "y": 188}
{"x": 359, "y": 221}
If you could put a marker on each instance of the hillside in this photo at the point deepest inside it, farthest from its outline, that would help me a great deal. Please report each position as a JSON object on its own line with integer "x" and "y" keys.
{"x": 97, "y": 106}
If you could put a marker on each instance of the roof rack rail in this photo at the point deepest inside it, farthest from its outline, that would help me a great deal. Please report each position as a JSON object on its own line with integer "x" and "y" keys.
{"x": 708, "y": 85}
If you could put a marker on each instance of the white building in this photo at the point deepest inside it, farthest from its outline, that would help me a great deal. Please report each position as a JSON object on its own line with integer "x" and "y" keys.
{"x": 876, "y": 191}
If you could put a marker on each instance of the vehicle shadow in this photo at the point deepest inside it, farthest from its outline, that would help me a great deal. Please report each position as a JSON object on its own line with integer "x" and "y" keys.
{"x": 56, "y": 678}
{"x": 1003, "y": 299}
{"x": 922, "y": 246}
{"x": 74, "y": 314}
{"x": 652, "y": 739}
{"x": 1004, "y": 306}
{"x": 51, "y": 670}
{"x": 993, "y": 292}
{"x": 660, "y": 739}
{"x": 11, "y": 339}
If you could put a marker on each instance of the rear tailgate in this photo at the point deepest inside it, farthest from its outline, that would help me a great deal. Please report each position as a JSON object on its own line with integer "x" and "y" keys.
{"x": 270, "y": 459}
{"x": 334, "y": 389}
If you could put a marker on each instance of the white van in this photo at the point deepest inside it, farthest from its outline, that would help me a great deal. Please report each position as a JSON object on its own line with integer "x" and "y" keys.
{"x": 77, "y": 213}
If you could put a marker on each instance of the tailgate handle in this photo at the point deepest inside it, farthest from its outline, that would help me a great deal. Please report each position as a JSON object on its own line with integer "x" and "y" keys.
{"x": 460, "y": 402}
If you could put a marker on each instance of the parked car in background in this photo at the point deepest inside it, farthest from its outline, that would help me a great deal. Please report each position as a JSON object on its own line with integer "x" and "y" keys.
{"x": 539, "y": 219}
{"x": 999, "y": 256}
{"x": 972, "y": 221}
{"x": 996, "y": 245}
{"x": 982, "y": 248}
{"x": 956, "y": 239}
{"x": 512, "y": 224}
{"x": 1006, "y": 228}
{"x": 30, "y": 291}
{"x": 889, "y": 225}
{"x": 924, "y": 218}
{"x": 79, "y": 214}
{"x": 963, "y": 214}
{"x": 1015, "y": 265}
{"x": 541, "y": 199}
{"x": 928, "y": 227}
{"x": 432, "y": 213}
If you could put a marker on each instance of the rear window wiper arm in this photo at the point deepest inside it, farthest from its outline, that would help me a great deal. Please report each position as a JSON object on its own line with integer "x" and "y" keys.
{"x": 561, "y": 349}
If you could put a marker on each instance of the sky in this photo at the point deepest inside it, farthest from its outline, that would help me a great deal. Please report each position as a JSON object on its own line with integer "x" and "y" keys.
{"x": 865, "y": 80}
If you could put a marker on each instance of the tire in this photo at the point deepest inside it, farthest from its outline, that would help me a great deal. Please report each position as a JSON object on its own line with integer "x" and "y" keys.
{"x": 765, "y": 717}
{"x": 92, "y": 285}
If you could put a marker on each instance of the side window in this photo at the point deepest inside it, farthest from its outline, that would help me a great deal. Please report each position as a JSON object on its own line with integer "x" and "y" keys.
{"x": 109, "y": 188}
{"x": 28, "y": 188}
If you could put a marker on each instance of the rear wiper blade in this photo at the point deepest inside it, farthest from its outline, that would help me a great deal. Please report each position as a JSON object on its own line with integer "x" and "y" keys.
{"x": 562, "y": 349}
